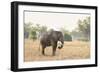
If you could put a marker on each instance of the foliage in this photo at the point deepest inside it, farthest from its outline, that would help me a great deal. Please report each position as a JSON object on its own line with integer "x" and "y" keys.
{"x": 67, "y": 37}
{"x": 27, "y": 29}
{"x": 84, "y": 27}
{"x": 33, "y": 35}
{"x": 30, "y": 30}
{"x": 66, "y": 33}
{"x": 82, "y": 32}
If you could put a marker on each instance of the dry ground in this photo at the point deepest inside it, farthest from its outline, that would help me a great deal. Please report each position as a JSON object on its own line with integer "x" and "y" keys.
{"x": 71, "y": 50}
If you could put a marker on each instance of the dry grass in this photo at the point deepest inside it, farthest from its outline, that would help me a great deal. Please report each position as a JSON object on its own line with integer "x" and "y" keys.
{"x": 71, "y": 50}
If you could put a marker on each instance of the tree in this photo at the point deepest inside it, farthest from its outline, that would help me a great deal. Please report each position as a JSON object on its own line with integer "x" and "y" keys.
{"x": 67, "y": 37}
{"x": 84, "y": 27}
{"x": 63, "y": 30}
{"x": 30, "y": 31}
{"x": 66, "y": 33}
{"x": 43, "y": 29}
{"x": 27, "y": 29}
{"x": 33, "y": 35}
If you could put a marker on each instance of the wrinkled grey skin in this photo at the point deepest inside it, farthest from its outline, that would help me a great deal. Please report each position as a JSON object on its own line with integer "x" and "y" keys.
{"x": 50, "y": 39}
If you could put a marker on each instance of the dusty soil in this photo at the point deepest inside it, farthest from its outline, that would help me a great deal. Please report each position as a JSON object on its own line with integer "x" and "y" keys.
{"x": 71, "y": 50}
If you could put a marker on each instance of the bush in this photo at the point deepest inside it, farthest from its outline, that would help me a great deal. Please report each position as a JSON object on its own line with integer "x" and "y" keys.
{"x": 67, "y": 37}
{"x": 33, "y": 35}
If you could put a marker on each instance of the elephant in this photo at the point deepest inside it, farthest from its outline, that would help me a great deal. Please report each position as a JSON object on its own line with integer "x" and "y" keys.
{"x": 52, "y": 38}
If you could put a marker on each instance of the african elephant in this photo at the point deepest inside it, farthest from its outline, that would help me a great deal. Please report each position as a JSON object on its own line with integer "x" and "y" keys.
{"x": 52, "y": 38}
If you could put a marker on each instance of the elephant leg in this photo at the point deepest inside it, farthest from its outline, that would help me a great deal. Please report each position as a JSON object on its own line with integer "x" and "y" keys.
{"x": 43, "y": 50}
{"x": 54, "y": 50}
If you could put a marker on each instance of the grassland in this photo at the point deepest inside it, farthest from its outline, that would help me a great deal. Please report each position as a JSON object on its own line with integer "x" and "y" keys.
{"x": 71, "y": 50}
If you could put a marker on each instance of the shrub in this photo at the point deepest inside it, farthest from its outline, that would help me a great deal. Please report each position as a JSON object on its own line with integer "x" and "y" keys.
{"x": 67, "y": 37}
{"x": 33, "y": 35}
